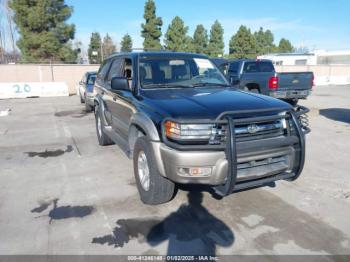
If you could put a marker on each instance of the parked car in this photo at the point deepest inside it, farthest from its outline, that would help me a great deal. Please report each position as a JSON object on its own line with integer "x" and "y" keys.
{"x": 259, "y": 76}
{"x": 180, "y": 120}
{"x": 86, "y": 90}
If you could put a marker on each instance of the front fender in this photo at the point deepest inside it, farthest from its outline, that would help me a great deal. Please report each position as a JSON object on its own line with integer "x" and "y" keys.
{"x": 101, "y": 106}
{"x": 147, "y": 125}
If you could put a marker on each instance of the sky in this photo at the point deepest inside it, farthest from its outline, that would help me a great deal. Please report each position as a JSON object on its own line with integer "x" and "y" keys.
{"x": 322, "y": 24}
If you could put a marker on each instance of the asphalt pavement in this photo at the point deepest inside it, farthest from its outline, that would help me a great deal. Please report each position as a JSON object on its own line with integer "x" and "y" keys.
{"x": 61, "y": 193}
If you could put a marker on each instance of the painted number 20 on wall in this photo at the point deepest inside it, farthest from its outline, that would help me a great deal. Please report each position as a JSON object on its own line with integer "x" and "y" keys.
{"x": 21, "y": 89}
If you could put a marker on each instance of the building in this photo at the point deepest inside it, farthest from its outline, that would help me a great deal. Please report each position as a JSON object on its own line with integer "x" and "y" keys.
{"x": 318, "y": 57}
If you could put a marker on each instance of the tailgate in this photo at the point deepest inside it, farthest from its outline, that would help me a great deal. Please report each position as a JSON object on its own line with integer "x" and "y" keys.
{"x": 295, "y": 81}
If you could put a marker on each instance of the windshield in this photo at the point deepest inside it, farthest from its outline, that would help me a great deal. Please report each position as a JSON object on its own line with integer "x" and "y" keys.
{"x": 165, "y": 72}
{"x": 91, "y": 80}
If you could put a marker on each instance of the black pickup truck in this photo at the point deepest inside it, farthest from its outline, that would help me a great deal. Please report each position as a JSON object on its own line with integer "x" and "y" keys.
{"x": 180, "y": 120}
{"x": 259, "y": 76}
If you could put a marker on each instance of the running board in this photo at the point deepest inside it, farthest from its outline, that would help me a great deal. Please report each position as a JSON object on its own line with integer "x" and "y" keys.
{"x": 121, "y": 142}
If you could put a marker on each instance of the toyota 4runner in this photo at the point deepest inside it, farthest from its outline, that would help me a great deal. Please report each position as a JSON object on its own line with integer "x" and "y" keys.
{"x": 181, "y": 121}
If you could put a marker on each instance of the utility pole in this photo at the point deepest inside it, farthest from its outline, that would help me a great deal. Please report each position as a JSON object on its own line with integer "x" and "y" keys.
{"x": 101, "y": 47}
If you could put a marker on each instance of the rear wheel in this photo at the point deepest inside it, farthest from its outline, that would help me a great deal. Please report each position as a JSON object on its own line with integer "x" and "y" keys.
{"x": 252, "y": 90}
{"x": 103, "y": 139}
{"x": 153, "y": 188}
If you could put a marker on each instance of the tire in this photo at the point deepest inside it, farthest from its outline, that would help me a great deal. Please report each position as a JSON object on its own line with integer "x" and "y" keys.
{"x": 252, "y": 90}
{"x": 88, "y": 108}
{"x": 82, "y": 101}
{"x": 160, "y": 190}
{"x": 103, "y": 139}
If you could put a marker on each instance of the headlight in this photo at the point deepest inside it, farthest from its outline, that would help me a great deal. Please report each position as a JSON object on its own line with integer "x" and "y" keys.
{"x": 185, "y": 132}
{"x": 283, "y": 120}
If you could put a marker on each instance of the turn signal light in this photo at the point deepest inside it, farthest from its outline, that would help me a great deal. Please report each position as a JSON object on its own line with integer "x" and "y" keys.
{"x": 172, "y": 129}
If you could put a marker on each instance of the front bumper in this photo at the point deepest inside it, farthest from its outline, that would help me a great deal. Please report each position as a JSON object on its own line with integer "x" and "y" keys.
{"x": 238, "y": 164}
{"x": 251, "y": 165}
{"x": 290, "y": 94}
{"x": 90, "y": 98}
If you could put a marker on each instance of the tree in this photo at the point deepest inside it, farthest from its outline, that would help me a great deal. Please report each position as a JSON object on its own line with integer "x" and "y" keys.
{"x": 189, "y": 45}
{"x": 108, "y": 47}
{"x": 200, "y": 39}
{"x": 176, "y": 36}
{"x": 151, "y": 29}
{"x": 285, "y": 46}
{"x": 216, "y": 42}
{"x": 243, "y": 44}
{"x": 126, "y": 43}
{"x": 264, "y": 41}
{"x": 44, "y": 33}
{"x": 94, "y": 51}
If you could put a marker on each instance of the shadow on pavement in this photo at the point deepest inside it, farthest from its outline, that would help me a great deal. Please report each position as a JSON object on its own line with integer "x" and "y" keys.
{"x": 336, "y": 114}
{"x": 72, "y": 113}
{"x": 191, "y": 230}
{"x": 50, "y": 153}
{"x": 63, "y": 212}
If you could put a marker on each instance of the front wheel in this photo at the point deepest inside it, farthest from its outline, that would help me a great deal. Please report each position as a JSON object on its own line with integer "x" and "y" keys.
{"x": 153, "y": 188}
{"x": 103, "y": 139}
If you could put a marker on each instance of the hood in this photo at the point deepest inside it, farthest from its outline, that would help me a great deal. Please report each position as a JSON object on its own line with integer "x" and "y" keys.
{"x": 205, "y": 103}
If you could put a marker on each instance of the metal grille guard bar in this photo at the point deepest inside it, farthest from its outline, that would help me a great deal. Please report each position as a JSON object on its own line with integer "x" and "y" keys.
{"x": 231, "y": 150}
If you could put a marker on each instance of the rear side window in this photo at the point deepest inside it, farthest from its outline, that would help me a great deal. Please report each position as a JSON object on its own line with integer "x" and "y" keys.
{"x": 233, "y": 68}
{"x": 266, "y": 67}
{"x": 253, "y": 67}
{"x": 250, "y": 67}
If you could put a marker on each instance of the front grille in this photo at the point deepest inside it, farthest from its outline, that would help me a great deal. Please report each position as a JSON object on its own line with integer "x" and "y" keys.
{"x": 262, "y": 167}
{"x": 251, "y": 131}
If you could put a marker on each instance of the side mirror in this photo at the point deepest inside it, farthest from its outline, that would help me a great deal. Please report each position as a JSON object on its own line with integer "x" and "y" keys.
{"x": 120, "y": 83}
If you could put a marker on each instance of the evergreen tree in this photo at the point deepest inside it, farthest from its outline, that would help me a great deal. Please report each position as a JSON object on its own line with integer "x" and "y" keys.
{"x": 216, "y": 42}
{"x": 285, "y": 46}
{"x": 264, "y": 41}
{"x": 189, "y": 45}
{"x": 108, "y": 47}
{"x": 200, "y": 39}
{"x": 94, "y": 51}
{"x": 175, "y": 37}
{"x": 44, "y": 33}
{"x": 243, "y": 44}
{"x": 151, "y": 29}
{"x": 126, "y": 43}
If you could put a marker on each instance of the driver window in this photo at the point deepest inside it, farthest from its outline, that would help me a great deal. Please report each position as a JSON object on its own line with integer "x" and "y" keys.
{"x": 115, "y": 70}
{"x": 127, "y": 71}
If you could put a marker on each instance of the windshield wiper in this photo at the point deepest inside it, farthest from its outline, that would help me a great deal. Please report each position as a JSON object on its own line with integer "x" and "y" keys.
{"x": 209, "y": 84}
{"x": 165, "y": 85}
